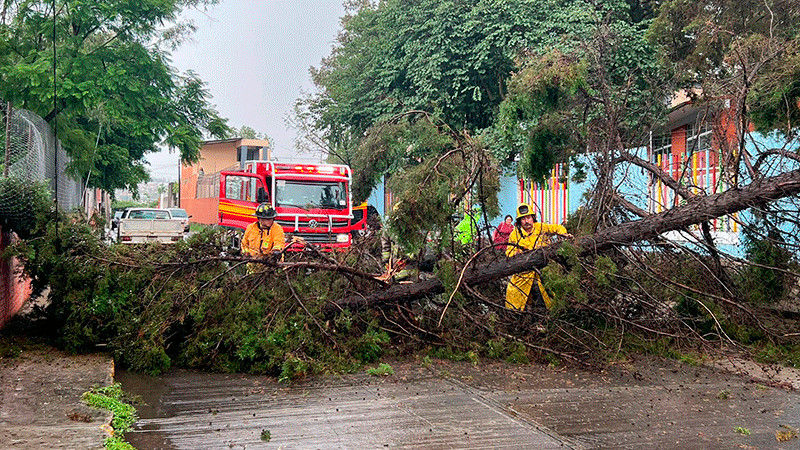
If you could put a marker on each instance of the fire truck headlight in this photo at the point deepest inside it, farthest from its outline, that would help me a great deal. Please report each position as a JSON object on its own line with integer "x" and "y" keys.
{"x": 342, "y": 238}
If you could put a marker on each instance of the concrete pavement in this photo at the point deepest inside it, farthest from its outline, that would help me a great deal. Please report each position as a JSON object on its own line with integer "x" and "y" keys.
{"x": 642, "y": 403}
{"x": 646, "y": 403}
{"x": 40, "y": 400}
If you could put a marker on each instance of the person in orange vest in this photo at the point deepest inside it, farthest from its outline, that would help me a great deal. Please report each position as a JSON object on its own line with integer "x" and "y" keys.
{"x": 263, "y": 237}
{"x": 528, "y": 234}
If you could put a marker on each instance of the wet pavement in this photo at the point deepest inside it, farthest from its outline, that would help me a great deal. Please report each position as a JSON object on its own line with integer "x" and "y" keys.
{"x": 40, "y": 400}
{"x": 646, "y": 403}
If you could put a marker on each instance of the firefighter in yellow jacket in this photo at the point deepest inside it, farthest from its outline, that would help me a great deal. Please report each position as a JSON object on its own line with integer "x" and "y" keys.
{"x": 263, "y": 237}
{"x": 528, "y": 234}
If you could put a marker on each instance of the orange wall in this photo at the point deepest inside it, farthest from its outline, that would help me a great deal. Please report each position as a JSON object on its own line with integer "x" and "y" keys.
{"x": 218, "y": 156}
{"x": 678, "y": 149}
{"x": 202, "y": 210}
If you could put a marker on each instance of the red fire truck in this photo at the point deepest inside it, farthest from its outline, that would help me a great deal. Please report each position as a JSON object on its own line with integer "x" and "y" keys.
{"x": 313, "y": 201}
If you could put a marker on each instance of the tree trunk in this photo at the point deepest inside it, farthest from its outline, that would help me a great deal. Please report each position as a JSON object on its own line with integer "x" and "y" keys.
{"x": 697, "y": 210}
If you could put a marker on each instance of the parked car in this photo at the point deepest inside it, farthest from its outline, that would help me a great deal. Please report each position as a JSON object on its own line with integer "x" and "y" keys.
{"x": 180, "y": 213}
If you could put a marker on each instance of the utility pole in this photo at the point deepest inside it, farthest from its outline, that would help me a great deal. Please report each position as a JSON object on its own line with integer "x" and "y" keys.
{"x": 178, "y": 201}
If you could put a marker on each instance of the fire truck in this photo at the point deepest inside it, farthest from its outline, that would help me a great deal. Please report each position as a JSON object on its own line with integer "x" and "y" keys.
{"x": 313, "y": 201}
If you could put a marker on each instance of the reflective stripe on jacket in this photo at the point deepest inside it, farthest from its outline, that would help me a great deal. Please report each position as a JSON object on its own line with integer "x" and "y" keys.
{"x": 257, "y": 241}
{"x": 519, "y": 286}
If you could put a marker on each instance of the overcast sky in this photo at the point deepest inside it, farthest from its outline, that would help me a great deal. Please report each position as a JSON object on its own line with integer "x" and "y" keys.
{"x": 254, "y": 57}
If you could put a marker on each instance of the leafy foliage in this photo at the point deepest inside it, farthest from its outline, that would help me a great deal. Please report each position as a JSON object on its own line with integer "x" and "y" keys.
{"x": 117, "y": 98}
{"x": 580, "y": 95}
{"x": 112, "y": 399}
{"x": 423, "y": 155}
{"x": 735, "y": 48}
{"x": 447, "y": 58}
{"x": 382, "y": 370}
{"x": 182, "y": 305}
{"x": 767, "y": 280}
{"x": 534, "y": 82}
{"x": 409, "y": 84}
{"x": 434, "y": 95}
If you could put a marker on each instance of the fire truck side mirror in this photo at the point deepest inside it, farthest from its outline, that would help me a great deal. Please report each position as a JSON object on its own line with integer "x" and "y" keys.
{"x": 261, "y": 196}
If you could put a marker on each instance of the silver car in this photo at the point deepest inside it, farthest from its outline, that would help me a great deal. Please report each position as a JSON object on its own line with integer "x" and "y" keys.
{"x": 180, "y": 213}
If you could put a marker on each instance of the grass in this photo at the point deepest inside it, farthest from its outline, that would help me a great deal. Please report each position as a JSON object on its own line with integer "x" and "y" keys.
{"x": 382, "y": 370}
{"x": 196, "y": 227}
{"x": 110, "y": 398}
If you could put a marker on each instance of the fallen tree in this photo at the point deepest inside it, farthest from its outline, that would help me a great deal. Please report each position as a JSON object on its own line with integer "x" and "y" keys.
{"x": 696, "y": 211}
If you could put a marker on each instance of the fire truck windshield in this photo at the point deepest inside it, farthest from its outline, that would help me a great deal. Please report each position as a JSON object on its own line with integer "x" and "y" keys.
{"x": 311, "y": 194}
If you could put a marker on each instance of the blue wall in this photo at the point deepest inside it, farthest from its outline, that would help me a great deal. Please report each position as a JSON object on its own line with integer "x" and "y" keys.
{"x": 507, "y": 199}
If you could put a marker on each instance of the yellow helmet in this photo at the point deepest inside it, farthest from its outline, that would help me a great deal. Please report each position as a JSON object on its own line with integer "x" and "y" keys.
{"x": 524, "y": 210}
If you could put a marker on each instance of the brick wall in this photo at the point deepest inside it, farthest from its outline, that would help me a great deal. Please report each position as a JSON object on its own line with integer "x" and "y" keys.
{"x": 14, "y": 288}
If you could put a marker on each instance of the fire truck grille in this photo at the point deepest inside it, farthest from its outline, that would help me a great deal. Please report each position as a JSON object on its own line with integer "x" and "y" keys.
{"x": 321, "y": 224}
{"x": 315, "y": 238}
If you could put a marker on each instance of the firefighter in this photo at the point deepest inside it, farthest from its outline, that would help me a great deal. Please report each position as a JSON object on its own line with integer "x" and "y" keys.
{"x": 528, "y": 234}
{"x": 400, "y": 265}
{"x": 263, "y": 237}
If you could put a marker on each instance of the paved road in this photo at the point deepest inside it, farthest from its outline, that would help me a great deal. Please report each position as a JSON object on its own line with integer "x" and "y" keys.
{"x": 40, "y": 400}
{"x": 638, "y": 404}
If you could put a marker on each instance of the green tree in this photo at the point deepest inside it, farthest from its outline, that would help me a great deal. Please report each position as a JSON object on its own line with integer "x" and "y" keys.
{"x": 740, "y": 62}
{"x": 745, "y": 51}
{"x": 448, "y": 58}
{"x": 117, "y": 97}
{"x": 402, "y": 72}
{"x": 513, "y": 79}
{"x": 597, "y": 89}
{"x": 246, "y": 132}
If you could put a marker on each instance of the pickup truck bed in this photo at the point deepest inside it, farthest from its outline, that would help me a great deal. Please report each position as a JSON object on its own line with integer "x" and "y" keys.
{"x": 139, "y": 226}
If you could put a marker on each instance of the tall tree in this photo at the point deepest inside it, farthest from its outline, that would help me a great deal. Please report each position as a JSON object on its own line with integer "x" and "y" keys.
{"x": 410, "y": 85}
{"x": 595, "y": 90}
{"x": 454, "y": 62}
{"x": 740, "y": 62}
{"x": 117, "y": 97}
{"x": 448, "y": 57}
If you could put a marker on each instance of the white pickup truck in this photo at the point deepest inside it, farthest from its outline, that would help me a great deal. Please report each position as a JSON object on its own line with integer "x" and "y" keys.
{"x": 142, "y": 225}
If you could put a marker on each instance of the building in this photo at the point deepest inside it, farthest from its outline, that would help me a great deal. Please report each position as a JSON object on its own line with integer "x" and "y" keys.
{"x": 688, "y": 149}
{"x": 199, "y": 183}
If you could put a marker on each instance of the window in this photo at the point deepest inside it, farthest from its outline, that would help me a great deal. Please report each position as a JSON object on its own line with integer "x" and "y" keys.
{"x": 150, "y": 214}
{"x": 311, "y": 194}
{"x": 242, "y": 188}
{"x": 662, "y": 143}
{"x": 207, "y": 186}
{"x": 698, "y": 138}
{"x": 253, "y": 153}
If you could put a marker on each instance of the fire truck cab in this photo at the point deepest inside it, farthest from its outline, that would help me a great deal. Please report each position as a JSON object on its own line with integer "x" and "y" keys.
{"x": 313, "y": 201}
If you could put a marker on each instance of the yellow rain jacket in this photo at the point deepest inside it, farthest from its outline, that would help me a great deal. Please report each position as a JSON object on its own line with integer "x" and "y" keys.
{"x": 519, "y": 287}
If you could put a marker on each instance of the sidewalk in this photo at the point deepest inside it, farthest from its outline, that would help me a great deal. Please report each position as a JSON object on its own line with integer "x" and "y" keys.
{"x": 40, "y": 400}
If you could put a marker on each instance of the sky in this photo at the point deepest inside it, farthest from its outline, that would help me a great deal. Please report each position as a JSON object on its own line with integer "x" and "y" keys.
{"x": 254, "y": 56}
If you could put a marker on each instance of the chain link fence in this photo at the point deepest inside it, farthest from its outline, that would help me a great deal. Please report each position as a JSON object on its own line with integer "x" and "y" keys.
{"x": 30, "y": 155}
